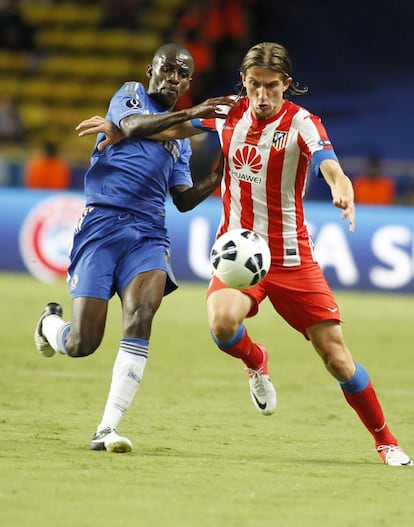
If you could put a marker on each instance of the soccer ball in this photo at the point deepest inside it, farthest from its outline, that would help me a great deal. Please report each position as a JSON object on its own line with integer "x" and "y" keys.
{"x": 240, "y": 258}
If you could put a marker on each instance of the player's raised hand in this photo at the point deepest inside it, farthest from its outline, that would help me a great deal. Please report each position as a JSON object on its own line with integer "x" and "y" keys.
{"x": 341, "y": 189}
{"x": 348, "y": 209}
{"x": 98, "y": 124}
{"x": 213, "y": 107}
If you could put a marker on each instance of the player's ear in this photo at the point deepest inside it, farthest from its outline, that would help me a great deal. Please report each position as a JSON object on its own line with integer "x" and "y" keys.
{"x": 149, "y": 71}
{"x": 188, "y": 84}
{"x": 287, "y": 82}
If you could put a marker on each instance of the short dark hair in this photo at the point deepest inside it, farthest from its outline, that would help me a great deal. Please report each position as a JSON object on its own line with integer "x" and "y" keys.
{"x": 177, "y": 49}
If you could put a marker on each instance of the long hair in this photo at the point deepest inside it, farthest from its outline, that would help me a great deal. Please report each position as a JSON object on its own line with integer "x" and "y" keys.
{"x": 271, "y": 56}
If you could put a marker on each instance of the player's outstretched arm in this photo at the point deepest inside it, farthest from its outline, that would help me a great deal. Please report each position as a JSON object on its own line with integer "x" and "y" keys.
{"x": 341, "y": 189}
{"x": 160, "y": 127}
{"x": 174, "y": 125}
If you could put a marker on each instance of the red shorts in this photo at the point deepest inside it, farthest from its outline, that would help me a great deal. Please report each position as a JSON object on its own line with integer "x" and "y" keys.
{"x": 300, "y": 295}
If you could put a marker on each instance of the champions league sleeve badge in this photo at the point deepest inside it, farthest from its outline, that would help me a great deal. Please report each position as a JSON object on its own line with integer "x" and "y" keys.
{"x": 134, "y": 103}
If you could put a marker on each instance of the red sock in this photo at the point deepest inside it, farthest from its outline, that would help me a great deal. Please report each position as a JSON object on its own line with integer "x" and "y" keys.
{"x": 369, "y": 410}
{"x": 246, "y": 350}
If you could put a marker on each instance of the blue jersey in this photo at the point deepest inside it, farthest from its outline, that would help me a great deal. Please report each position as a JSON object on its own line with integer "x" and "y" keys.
{"x": 136, "y": 175}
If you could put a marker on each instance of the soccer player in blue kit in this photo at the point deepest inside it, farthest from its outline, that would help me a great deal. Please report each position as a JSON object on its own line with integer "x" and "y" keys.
{"x": 121, "y": 244}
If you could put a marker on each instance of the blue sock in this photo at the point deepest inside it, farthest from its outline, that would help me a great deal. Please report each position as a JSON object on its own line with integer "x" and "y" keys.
{"x": 61, "y": 338}
{"x": 235, "y": 338}
{"x": 135, "y": 346}
{"x": 358, "y": 382}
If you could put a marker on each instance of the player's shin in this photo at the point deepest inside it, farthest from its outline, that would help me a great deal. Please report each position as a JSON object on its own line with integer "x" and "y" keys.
{"x": 127, "y": 374}
{"x": 360, "y": 394}
{"x": 242, "y": 347}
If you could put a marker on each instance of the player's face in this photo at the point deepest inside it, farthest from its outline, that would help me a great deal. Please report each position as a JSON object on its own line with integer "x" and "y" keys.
{"x": 265, "y": 89}
{"x": 170, "y": 76}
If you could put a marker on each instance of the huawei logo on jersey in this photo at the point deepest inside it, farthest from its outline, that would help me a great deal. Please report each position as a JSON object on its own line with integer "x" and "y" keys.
{"x": 247, "y": 157}
{"x": 248, "y": 163}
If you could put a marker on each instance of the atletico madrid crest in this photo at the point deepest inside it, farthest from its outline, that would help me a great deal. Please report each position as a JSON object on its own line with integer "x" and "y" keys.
{"x": 279, "y": 139}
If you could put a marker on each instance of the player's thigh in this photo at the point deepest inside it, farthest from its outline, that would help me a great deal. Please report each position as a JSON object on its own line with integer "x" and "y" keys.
{"x": 227, "y": 306}
{"x": 144, "y": 291}
{"x": 301, "y": 296}
{"x": 141, "y": 298}
{"x": 145, "y": 256}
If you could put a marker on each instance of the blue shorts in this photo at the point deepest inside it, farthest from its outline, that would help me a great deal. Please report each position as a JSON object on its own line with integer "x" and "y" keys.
{"x": 110, "y": 247}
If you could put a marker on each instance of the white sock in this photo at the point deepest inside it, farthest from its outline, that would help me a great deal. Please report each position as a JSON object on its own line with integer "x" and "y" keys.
{"x": 55, "y": 330}
{"x": 126, "y": 377}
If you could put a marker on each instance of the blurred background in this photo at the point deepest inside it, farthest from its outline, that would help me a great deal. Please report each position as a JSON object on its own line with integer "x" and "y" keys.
{"x": 61, "y": 61}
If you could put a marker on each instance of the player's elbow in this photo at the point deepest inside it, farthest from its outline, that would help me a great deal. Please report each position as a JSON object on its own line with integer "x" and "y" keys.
{"x": 183, "y": 205}
{"x": 183, "y": 197}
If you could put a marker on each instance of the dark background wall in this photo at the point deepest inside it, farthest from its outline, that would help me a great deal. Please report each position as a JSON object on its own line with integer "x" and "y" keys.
{"x": 357, "y": 59}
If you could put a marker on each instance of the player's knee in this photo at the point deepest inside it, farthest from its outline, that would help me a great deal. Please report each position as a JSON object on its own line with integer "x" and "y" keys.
{"x": 223, "y": 327}
{"x": 137, "y": 323}
{"x": 340, "y": 365}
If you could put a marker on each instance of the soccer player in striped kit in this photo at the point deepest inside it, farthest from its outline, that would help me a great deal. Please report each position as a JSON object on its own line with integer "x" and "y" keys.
{"x": 270, "y": 145}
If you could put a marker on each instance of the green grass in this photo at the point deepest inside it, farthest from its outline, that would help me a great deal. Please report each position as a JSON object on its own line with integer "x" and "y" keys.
{"x": 203, "y": 456}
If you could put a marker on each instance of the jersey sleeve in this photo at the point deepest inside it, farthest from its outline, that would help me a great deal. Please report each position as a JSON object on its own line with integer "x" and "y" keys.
{"x": 128, "y": 100}
{"x": 318, "y": 157}
{"x": 181, "y": 174}
{"x": 317, "y": 142}
{"x": 207, "y": 125}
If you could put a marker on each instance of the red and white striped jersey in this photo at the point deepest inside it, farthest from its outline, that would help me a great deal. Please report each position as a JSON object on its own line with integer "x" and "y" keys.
{"x": 266, "y": 165}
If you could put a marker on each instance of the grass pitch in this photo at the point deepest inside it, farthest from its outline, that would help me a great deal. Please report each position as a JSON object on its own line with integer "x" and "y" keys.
{"x": 203, "y": 457}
